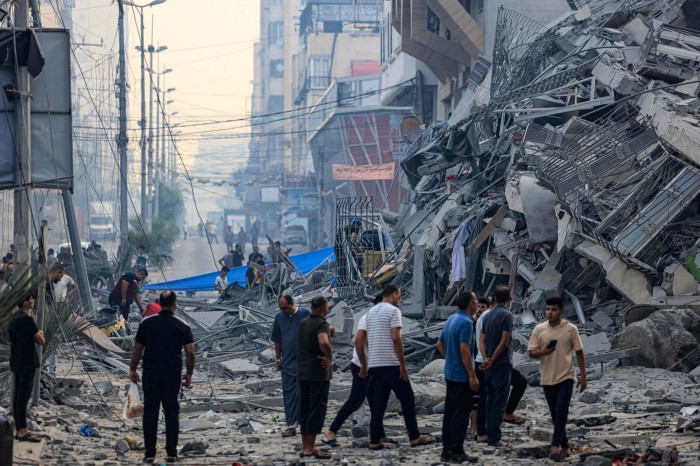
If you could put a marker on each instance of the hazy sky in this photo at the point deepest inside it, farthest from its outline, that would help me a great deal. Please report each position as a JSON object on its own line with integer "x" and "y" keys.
{"x": 210, "y": 49}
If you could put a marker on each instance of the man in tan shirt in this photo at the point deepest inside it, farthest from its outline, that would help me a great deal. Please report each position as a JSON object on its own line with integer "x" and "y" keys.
{"x": 553, "y": 343}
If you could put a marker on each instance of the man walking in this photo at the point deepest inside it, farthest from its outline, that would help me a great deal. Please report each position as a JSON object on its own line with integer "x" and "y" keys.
{"x": 254, "y": 233}
{"x": 126, "y": 291}
{"x": 553, "y": 343}
{"x": 455, "y": 345}
{"x": 227, "y": 260}
{"x": 238, "y": 257}
{"x": 285, "y": 331}
{"x": 160, "y": 340}
{"x": 242, "y": 239}
{"x": 24, "y": 361}
{"x": 315, "y": 369}
{"x": 387, "y": 366}
{"x": 497, "y": 351}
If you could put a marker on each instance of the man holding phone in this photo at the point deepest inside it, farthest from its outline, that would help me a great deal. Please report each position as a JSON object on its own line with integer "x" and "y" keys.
{"x": 553, "y": 343}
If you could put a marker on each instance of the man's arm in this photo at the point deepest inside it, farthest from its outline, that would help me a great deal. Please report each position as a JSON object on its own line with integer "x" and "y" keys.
{"x": 398, "y": 349}
{"x": 39, "y": 338}
{"x": 324, "y": 343}
{"x": 221, "y": 262}
{"x": 465, "y": 351}
{"x": 189, "y": 364}
{"x": 581, "y": 359}
{"x": 125, "y": 288}
{"x": 505, "y": 338}
{"x": 440, "y": 347}
{"x": 540, "y": 353}
{"x": 135, "y": 358}
{"x": 482, "y": 347}
{"x": 278, "y": 355}
{"x": 360, "y": 341}
{"x": 138, "y": 302}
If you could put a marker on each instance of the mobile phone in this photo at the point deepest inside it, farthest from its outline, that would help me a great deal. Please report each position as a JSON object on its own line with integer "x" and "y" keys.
{"x": 552, "y": 344}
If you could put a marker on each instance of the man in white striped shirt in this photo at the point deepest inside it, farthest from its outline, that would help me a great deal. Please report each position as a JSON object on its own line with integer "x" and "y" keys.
{"x": 386, "y": 364}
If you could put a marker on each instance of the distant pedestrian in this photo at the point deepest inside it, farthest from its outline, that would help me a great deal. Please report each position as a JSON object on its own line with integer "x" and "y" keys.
{"x": 315, "y": 370}
{"x": 253, "y": 256}
{"x": 254, "y": 233}
{"x": 221, "y": 283}
{"x": 361, "y": 388}
{"x": 63, "y": 285}
{"x": 212, "y": 233}
{"x": 228, "y": 236}
{"x": 200, "y": 229}
{"x": 284, "y": 334}
{"x": 252, "y": 276}
{"x": 126, "y": 291}
{"x": 160, "y": 340}
{"x": 185, "y": 231}
{"x": 242, "y": 239}
{"x": 227, "y": 260}
{"x": 455, "y": 345}
{"x": 387, "y": 366}
{"x": 238, "y": 257}
{"x": 553, "y": 343}
{"x": 24, "y": 361}
{"x": 497, "y": 351}
{"x": 142, "y": 258}
{"x": 51, "y": 259}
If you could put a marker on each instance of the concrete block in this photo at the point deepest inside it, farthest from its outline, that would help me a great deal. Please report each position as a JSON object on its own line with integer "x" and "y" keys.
{"x": 692, "y": 89}
{"x": 238, "y": 367}
{"x": 434, "y": 368}
{"x": 635, "y": 31}
{"x": 538, "y": 206}
{"x": 602, "y": 319}
{"x": 617, "y": 78}
{"x": 678, "y": 281}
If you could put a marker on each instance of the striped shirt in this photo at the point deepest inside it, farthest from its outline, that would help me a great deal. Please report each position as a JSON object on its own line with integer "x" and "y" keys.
{"x": 381, "y": 319}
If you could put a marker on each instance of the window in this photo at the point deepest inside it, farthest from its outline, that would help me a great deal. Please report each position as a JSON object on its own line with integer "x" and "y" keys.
{"x": 319, "y": 73}
{"x": 275, "y": 33}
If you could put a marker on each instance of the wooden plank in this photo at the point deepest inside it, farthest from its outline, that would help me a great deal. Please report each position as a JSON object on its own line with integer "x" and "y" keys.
{"x": 493, "y": 223}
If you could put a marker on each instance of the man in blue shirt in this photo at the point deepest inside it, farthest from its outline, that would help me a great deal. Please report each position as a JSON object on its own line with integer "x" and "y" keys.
{"x": 285, "y": 331}
{"x": 496, "y": 347}
{"x": 455, "y": 345}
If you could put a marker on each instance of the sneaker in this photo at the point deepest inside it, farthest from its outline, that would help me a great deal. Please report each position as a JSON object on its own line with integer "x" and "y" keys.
{"x": 463, "y": 458}
{"x": 446, "y": 456}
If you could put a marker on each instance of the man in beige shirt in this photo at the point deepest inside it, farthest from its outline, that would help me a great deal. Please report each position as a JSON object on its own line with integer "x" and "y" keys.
{"x": 553, "y": 343}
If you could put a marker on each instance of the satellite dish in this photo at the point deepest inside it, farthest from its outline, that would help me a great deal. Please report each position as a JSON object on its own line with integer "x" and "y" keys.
{"x": 411, "y": 128}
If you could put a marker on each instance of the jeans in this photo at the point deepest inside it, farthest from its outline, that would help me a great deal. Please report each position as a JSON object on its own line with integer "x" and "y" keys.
{"x": 291, "y": 398}
{"x": 384, "y": 381}
{"x": 481, "y": 409}
{"x": 559, "y": 398}
{"x": 497, "y": 389}
{"x": 314, "y": 404}
{"x": 518, "y": 382}
{"x": 24, "y": 382}
{"x": 455, "y": 420}
{"x": 161, "y": 387}
{"x": 361, "y": 389}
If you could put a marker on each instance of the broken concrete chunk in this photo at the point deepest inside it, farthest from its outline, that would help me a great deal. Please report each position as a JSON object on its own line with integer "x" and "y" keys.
{"x": 678, "y": 281}
{"x": 240, "y": 367}
{"x": 434, "y": 368}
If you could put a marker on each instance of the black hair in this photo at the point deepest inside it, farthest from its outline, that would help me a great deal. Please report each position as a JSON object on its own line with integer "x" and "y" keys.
{"x": 142, "y": 247}
{"x": 51, "y": 251}
{"x": 58, "y": 267}
{"x": 389, "y": 290}
{"x": 464, "y": 299}
{"x": 318, "y": 303}
{"x": 143, "y": 271}
{"x": 287, "y": 298}
{"x": 167, "y": 299}
{"x": 485, "y": 301}
{"x": 225, "y": 269}
{"x": 501, "y": 294}
{"x": 555, "y": 301}
{"x": 379, "y": 298}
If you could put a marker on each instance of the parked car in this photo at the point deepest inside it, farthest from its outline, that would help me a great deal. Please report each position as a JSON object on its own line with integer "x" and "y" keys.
{"x": 295, "y": 234}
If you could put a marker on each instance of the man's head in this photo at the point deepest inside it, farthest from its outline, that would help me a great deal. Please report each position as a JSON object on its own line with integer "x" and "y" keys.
{"x": 482, "y": 305}
{"x": 237, "y": 247}
{"x": 141, "y": 274}
{"x": 353, "y": 236}
{"x": 12, "y": 248}
{"x": 256, "y": 249}
{"x": 28, "y": 302}
{"x": 9, "y": 256}
{"x": 502, "y": 295}
{"x": 224, "y": 271}
{"x": 286, "y": 304}
{"x": 168, "y": 301}
{"x": 142, "y": 248}
{"x": 555, "y": 310}
{"x": 391, "y": 295}
{"x": 466, "y": 302}
{"x": 319, "y": 306}
{"x": 51, "y": 251}
{"x": 278, "y": 244}
{"x": 259, "y": 259}
{"x": 379, "y": 298}
{"x": 56, "y": 273}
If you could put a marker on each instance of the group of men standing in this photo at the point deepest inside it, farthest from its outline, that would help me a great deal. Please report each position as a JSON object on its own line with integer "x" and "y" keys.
{"x": 485, "y": 335}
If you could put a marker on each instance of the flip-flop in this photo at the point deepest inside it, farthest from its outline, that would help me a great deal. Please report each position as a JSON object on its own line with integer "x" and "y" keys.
{"x": 424, "y": 440}
{"x": 517, "y": 421}
{"x": 319, "y": 455}
{"x": 28, "y": 438}
{"x": 333, "y": 443}
{"x": 379, "y": 446}
{"x": 391, "y": 441}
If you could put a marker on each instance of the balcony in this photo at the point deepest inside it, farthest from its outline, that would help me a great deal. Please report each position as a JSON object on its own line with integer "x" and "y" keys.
{"x": 310, "y": 83}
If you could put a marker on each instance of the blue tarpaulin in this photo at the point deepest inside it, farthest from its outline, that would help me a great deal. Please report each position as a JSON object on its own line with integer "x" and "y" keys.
{"x": 304, "y": 262}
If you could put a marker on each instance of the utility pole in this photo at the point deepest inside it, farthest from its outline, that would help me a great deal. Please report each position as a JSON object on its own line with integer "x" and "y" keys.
{"x": 23, "y": 148}
{"x": 144, "y": 193}
{"x": 149, "y": 220}
{"x": 40, "y": 306}
{"x": 156, "y": 190}
{"x": 122, "y": 139}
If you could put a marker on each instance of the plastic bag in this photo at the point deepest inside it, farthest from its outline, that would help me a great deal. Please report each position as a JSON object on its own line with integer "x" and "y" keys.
{"x": 133, "y": 407}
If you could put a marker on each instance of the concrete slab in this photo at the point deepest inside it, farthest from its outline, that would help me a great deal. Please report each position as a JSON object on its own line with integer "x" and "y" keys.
{"x": 595, "y": 343}
{"x": 602, "y": 319}
{"x": 208, "y": 318}
{"x": 238, "y": 367}
{"x": 538, "y": 206}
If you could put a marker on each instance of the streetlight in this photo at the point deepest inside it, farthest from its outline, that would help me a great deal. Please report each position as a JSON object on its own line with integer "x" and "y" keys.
{"x": 142, "y": 123}
{"x": 160, "y": 159}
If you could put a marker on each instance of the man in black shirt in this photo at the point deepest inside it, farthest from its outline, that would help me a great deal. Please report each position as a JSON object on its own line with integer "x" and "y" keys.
{"x": 314, "y": 372}
{"x": 238, "y": 256}
{"x": 160, "y": 339}
{"x": 126, "y": 291}
{"x": 24, "y": 361}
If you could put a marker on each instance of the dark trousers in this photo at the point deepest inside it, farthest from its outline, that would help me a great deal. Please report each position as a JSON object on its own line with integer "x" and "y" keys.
{"x": 481, "y": 409}
{"x": 455, "y": 420}
{"x": 559, "y": 398}
{"x": 24, "y": 381}
{"x": 384, "y": 381}
{"x": 314, "y": 404}
{"x": 518, "y": 382}
{"x": 361, "y": 389}
{"x": 161, "y": 387}
{"x": 497, "y": 388}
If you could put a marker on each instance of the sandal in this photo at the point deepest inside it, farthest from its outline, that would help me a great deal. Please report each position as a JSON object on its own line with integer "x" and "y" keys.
{"x": 517, "y": 420}
{"x": 423, "y": 440}
{"x": 149, "y": 460}
{"x": 290, "y": 432}
{"x": 377, "y": 446}
{"x": 28, "y": 437}
{"x": 390, "y": 441}
{"x": 333, "y": 443}
{"x": 555, "y": 454}
{"x": 317, "y": 454}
